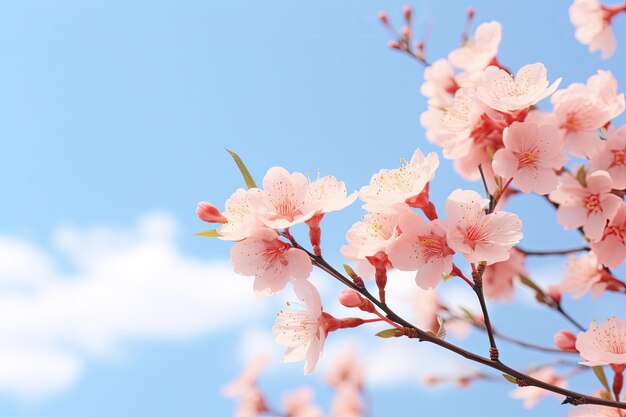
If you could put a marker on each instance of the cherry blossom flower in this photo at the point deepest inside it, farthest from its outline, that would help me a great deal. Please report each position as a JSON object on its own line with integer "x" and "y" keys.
{"x": 565, "y": 340}
{"x": 407, "y": 184}
{"x": 371, "y": 236}
{"x": 604, "y": 344}
{"x": 251, "y": 404}
{"x": 422, "y": 246}
{"x": 239, "y": 220}
{"x": 612, "y": 156}
{"x": 299, "y": 403}
{"x": 270, "y": 260}
{"x": 439, "y": 85}
{"x": 589, "y": 205}
{"x": 345, "y": 369}
{"x": 479, "y": 236}
{"x": 477, "y": 54}
{"x": 611, "y": 249}
{"x": 530, "y": 156}
{"x": 347, "y": 402}
{"x": 498, "y": 278}
{"x": 584, "y": 274}
{"x": 326, "y": 195}
{"x": 593, "y": 26}
{"x": 248, "y": 377}
{"x": 581, "y": 109}
{"x": 532, "y": 395}
{"x": 502, "y": 92}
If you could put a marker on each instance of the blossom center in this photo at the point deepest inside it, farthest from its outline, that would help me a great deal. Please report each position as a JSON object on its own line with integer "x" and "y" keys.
{"x": 619, "y": 157}
{"x": 473, "y": 234}
{"x": 527, "y": 158}
{"x": 592, "y": 202}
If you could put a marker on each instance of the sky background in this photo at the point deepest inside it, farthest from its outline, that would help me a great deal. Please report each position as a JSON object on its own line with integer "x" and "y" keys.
{"x": 114, "y": 117}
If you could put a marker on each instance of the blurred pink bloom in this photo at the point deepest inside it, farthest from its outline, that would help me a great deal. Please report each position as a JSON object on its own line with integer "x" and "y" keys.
{"x": 498, "y": 278}
{"x": 565, "y": 340}
{"x": 347, "y": 402}
{"x": 530, "y": 156}
{"x": 239, "y": 219}
{"x": 479, "y": 236}
{"x": 532, "y": 395}
{"x": 581, "y": 109}
{"x": 271, "y": 261}
{"x": 589, "y": 206}
{"x": 439, "y": 85}
{"x": 303, "y": 331}
{"x": 611, "y": 249}
{"x": 326, "y": 194}
{"x": 422, "y": 247}
{"x": 248, "y": 378}
{"x": 593, "y": 26}
{"x": 584, "y": 274}
{"x": 299, "y": 403}
{"x": 372, "y": 235}
{"x": 481, "y": 50}
{"x": 589, "y": 410}
{"x": 345, "y": 369}
{"x": 407, "y": 184}
{"x": 612, "y": 156}
{"x": 604, "y": 344}
{"x": 251, "y": 404}
{"x": 504, "y": 93}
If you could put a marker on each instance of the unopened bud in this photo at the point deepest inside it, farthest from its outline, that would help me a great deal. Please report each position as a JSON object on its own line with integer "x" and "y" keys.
{"x": 470, "y": 12}
{"x": 566, "y": 341}
{"x": 394, "y": 45}
{"x": 430, "y": 379}
{"x": 408, "y": 12}
{"x": 209, "y": 213}
{"x": 352, "y": 299}
{"x": 406, "y": 31}
{"x": 384, "y": 19}
{"x": 554, "y": 293}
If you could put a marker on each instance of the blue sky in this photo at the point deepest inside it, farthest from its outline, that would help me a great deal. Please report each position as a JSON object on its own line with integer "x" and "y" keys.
{"x": 115, "y": 115}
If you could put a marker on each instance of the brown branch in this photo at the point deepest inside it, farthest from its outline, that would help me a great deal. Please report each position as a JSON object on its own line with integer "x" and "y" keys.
{"x": 553, "y": 252}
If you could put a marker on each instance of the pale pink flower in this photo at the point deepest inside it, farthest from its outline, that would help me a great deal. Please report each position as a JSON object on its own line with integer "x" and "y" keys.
{"x": 251, "y": 403}
{"x": 604, "y": 344}
{"x": 498, "y": 278}
{"x": 372, "y": 235}
{"x": 239, "y": 219}
{"x": 479, "y": 236}
{"x": 502, "y": 92}
{"x": 248, "y": 378}
{"x": 588, "y": 206}
{"x": 422, "y": 247}
{"x": 611, "y": 249}
{"x": 326, "y": 195}
{"x": 345, "y": 369}
{"x": 283, "y": 199}
{"x": 299, "y": 403}
{"x": 530, "y": 156}
{"x": 347, "y": 402}
{"x": 593, "y": 26}
{"x": 532, "y": 395}
{"x": 612, "y": 156}
{"x": 565, "y": 340}
{"x": 581, "y": 109}
{"x": 406, "y": 184}
{"x": 270, "y": 260}
{"x": 584, "y": 274}
{"x": 303, "y": 331}
{"x": 481, "y": 50}
{"x": 439, "y": 85}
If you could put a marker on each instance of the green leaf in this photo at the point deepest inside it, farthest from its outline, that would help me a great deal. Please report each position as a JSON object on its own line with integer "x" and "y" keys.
{"x": 441, "y": 333}
{"x": 599, "y": 371}
{"x": 581, "y": 176}
{"x": 510, "y": 378}
{"x": 530, "y": 284}
{"x": 242, "y": 168}
{"x": 208, "y": 233}
{"x": 467, "y": 313}
{"x": 388, "y": 333}
{"x": 349, "y": 271}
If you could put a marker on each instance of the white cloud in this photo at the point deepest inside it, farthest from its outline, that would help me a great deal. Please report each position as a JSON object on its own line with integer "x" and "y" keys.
{"x": 124, "y": 285}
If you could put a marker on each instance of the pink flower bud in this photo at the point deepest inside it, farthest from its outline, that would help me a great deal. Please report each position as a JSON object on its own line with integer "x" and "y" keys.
{"x": 565, "y": 340}
{"x": 406, "y": 31}
{"x": 470, "y": 12}
{"x": 394, "y": 45}
{"x": 209, "y": 213}
{"x": 407, "y": 11}
{"x": 554, "y": 293}
{"x": 382, "y": 16}
{"x": 351, "y": 298}
{"x": 430, "y": 379}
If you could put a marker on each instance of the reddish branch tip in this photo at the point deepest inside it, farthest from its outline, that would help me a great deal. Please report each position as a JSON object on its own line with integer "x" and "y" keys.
{"x": 384, "y": 19}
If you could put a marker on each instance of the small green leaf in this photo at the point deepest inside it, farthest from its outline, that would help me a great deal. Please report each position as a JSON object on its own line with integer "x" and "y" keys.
{"x": 599, "y": 371}
{"x": 208, "y": 233}
{"x": 510, "y": 378}
{"x": 467, "y": 313}
{"x": 349, "y": 271}
{"x": 242, "y": 168}
{"x": 530, "y": 284}
{"x": 441, "y": 333}
{"x": 581, "y": 176}
{"x": 388, "y": 333}
{"x": 446, "y": 277}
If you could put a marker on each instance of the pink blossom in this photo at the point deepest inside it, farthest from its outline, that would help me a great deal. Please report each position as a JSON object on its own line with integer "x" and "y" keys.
{"x": 498, "y": 278}
{"x": 372, "y": 235}
{"x": 439, "y": 85}
{"x": 593, "y": 26}
{"x": 583, "y": 274}
{"x": 589, "y": 205}
{"x": 422, "y": 247}
{"x": 530, "y": 156}
{"x": 347, "y": 402}
{"x": 240, "y": 218}
{"x": 299, "y": 403}
{"x": 581, "y": 109}
{"x": 502, "y": 92}
{"x": 403, "y": 185}
{"x": 326, "y": 195}
{"x": 345, "y": 369}
{"x": 248, "y": 377}
{"x": 479, "y": 236}
{"x": 303, "y": 331}
{"x": 565, "y": 340}
{"x": 480, "y": 52}
{"x": 532, "y": 395}
{"x": 612, "y": 156}
{"x": 270, "y": 260}
{"x": 251, "y": 404}
{"x": 604, "y": 344}
{"x": 611, "y": 249}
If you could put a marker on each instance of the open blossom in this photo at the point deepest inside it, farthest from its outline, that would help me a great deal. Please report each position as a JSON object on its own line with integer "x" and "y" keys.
{"x": 423, "y": 247}
{"x": 407, "y": 184}
{"x": 345, "y": 369}
{"x": 589, "y": 205}
{"x": 604, "y": 344}
{"x": 439, "y": 85}
{"x": 498, "y": 278}
{"x": 248, "y": 378}
{"x": 584, "y": 274}
{"x": 581, "y": 109}
{"x": 593, "y": 26}
{"x": 299, "y": 403}
{"x": 270, "y": 260}
{"x": 479, "y": 236}
{"x": 502, "y": 92}
{"x": 532, "y": 395}
{"x": 239, "y": 219}
{"x": 326, "y": 195}
{"x": 530, "y": 156}
{"x": 611, "y": 249}
{"x": 481, "y": 50}
{"x": 611, "y": 156}
{"x": 372, "y": 235}
{"x": 303, "y": 331}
